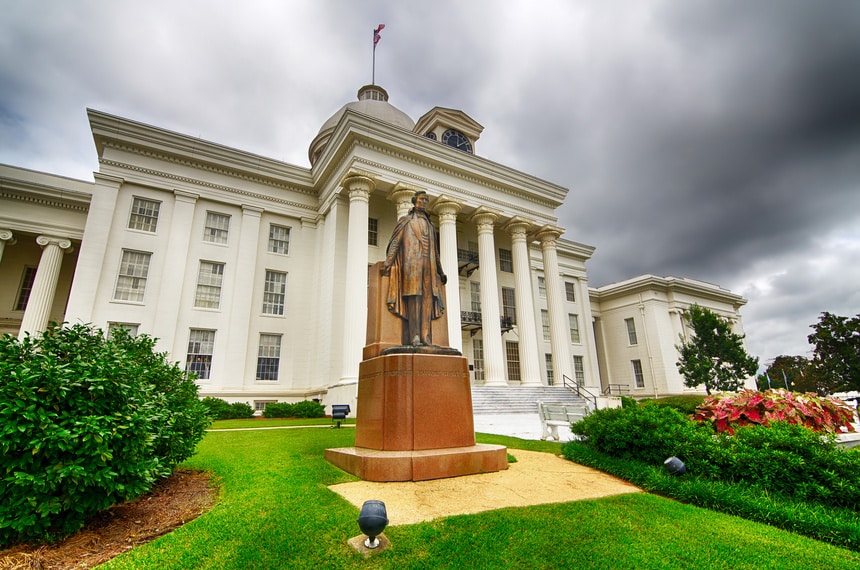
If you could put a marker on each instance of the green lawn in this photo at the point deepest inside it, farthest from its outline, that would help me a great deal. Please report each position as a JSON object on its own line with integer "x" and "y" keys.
{"x": 275, "y": 511}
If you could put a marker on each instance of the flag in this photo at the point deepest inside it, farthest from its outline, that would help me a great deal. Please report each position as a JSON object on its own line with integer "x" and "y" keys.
{"x": 376, "y": 35}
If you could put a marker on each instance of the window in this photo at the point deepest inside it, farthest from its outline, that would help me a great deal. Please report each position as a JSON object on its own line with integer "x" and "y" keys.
{"x": 579, "y": 370}
{"x": 200, "y": 345}
{"x": 637, "y": 373}
{"x": 274, "y": 293}
{"x": 260, "y": 405}
{"x": 544, "y": 321}
{"x": 279, "y": 239}
{"x": 475, "y": 289}
{"x": 631, "y": 331}
{"x": 131, "y": 281}
{"x": 478, "y": 358}
{"x": 542, "y": 287}
{"x": 209, "y": 278}
{"x": 27, "y": 280}
{"x": 512, "y": 351}
{"x": 372, "y": 231}
{"x": 130, "y": 328}
{"x": 509, "y": 304}
{"x": 217, "y": 227}
{"x": 570, "y": 291}
{"x": 144, "y": 214}
{"x": 549, "y": 370}
{"x": 506, "y": 261}
{"x": 269, "y": 357}
{"x": 574, "y": 328}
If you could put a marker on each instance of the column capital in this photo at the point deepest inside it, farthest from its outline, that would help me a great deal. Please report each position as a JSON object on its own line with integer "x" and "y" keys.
{"x": 445, "y": 206}
{"x": 249, "y": 210}
{"x": 484, "y": 218}
{"x": 358, "y": 186}
{"x": 63, "y": 243}
{"x": 7, "y": 235}
{"x": 182, "y": 195}
{"x": 519, "y": 227}
{"x": 402, "y": 192}
{"x": 548, "y": 235}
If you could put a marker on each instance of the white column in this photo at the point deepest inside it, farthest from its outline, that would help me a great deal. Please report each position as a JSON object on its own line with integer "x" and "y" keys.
{"x": 401, "y": 195}
{"x": 494, "y": 354}
{"x": 592, "y": 369}
{"x": 5, "y": 236}
{"x": 447, "y": 210}
{"x": 175, "y": 265}
{"x": 241, "y": 310}
{"x": 45, "y": 284}
{"x": 559, "y": 326}
{"x": 355, "y": 291}
{"x": 88, "y": 270}
{"x": 529, "y": 354}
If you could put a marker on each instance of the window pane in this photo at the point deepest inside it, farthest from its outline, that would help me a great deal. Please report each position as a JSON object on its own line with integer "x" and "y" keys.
{"x": 542, "y": 287}
{"x": 544, "y": 320}
{"x": 574, "y": 328}
{"x": 279, "y": 239}
{"x": 579, "y": 369}
{"x": 209, "y": 279}
{"x": 569, "y": 291}
{"x": 549, "y": 370}
{"x": 274, "y": 293}
{"x": 144, "y": 215}
{"x": 217, "y": 227}
{"x": 637, "y": 373}
{"x": 372, "y": 231}
{"x": 27, "y": 280}
{"x": 509, "y": 304}
{"x": 269, "y": 357}
{"x": 475, "y": 291}
{"x": 506, "y": 261}
{"x": 131, "y": 281}
{"x": 631, "y": 331}
{"x": 199, "y": 359}
{"x": 478, "y": 356}
{"x": 512, "y": 351}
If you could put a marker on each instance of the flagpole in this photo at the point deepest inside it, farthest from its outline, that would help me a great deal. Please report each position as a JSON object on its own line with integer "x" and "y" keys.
{"x": 376, "y": 38}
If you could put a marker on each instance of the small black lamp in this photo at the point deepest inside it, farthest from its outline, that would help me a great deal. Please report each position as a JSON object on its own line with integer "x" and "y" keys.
{"x": 372, "y": 520}
{"x": 675, "y": 466}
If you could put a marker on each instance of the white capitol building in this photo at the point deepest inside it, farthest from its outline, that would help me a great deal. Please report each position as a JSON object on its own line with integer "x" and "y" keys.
{"x": 253, "y": 272}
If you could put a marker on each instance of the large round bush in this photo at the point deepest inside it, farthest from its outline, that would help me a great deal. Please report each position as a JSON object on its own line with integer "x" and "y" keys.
{"x": 86, "y": 422}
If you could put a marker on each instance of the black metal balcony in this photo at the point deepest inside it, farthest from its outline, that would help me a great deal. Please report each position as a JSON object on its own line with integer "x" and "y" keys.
{"x": 467, "y": 261}
{"x": 471, "y": 321}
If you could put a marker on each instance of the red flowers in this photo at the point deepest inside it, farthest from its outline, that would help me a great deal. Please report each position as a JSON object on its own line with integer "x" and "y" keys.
{"x": 747, "y": 407}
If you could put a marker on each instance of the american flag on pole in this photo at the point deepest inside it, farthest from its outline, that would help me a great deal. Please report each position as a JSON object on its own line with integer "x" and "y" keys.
{"x": 376, "y": 36}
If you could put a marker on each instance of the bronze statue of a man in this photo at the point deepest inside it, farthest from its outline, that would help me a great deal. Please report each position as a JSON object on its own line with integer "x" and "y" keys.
{"x": 416, "y": 275}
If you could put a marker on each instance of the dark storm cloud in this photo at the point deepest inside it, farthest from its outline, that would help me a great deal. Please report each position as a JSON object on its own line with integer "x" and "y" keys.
{"x": 717, "y": 140}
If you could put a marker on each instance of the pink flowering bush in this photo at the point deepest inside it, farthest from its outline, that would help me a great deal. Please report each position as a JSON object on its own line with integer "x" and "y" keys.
{"x": 749, "y": 407}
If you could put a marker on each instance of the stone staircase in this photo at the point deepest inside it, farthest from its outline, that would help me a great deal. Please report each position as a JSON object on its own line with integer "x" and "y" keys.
{"x": 495, "y": 400}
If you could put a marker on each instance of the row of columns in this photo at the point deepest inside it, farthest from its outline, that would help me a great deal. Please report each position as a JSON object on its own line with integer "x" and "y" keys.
{"x": 359, "y": 188}
{"x": 38, "y": 310}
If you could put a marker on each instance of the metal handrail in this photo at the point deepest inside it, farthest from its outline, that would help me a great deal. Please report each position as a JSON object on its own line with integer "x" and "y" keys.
{"x": 580, "y": 390}
{"x": 616, "y": 388}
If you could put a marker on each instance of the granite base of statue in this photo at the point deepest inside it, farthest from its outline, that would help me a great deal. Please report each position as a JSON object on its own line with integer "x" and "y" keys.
{"x": 414, "y": 413}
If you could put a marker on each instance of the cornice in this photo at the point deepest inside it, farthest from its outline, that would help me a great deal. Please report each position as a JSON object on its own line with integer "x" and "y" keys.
{"x": 55, "y": 202}
{"x": 669, "y": 285}
{"x": 160, "y": 174}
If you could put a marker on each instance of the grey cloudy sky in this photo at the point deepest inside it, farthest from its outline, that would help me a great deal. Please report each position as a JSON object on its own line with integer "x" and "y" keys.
{"x": 717, "y": 140}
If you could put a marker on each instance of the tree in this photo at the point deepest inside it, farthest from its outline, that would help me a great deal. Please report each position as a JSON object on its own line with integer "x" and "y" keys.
{"x": 789, "y": 372}
{"x": 836, "y": 358}
{"x": 714, "y": 356}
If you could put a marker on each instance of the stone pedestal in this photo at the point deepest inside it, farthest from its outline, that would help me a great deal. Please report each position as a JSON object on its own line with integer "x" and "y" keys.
{"x": 414, "y": 422}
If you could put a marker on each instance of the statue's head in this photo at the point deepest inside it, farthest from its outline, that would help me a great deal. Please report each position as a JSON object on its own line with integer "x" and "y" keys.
{"x": 417, "y": 194}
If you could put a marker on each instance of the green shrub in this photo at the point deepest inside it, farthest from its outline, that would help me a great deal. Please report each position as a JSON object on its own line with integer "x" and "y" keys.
{"x": 646, "y": 432}
{"x": 86, "y": 422}
{"x": 279, "y": 410}
{"x": 219, "y": 409}
{"x": 628, "y": 402}
{"x": 308, "y": 409}
{"x": 686, "y": 404}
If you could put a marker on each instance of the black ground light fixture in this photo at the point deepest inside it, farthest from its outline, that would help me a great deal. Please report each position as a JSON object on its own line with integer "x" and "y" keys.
{"x": 372, "y": 520}
{"x": 675, "y": 466}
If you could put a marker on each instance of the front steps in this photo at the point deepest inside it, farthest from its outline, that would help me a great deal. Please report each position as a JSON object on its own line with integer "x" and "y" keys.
{"x": 504, "y": 400}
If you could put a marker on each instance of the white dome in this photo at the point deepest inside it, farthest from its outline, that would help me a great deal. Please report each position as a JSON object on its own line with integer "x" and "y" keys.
{"x": 372, "y": 101}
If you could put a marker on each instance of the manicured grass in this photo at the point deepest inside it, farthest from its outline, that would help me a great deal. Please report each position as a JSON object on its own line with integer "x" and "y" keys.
{"x": 275, "y": 511}
{"x": 251, "y": 423}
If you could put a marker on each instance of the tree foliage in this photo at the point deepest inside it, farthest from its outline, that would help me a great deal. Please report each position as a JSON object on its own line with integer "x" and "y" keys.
{"x": 714, "y": 355}
{"x": 836, "y": 358}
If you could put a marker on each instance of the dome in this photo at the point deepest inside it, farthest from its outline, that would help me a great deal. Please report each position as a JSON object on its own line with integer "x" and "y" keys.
{"x": 372, "y": 101}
